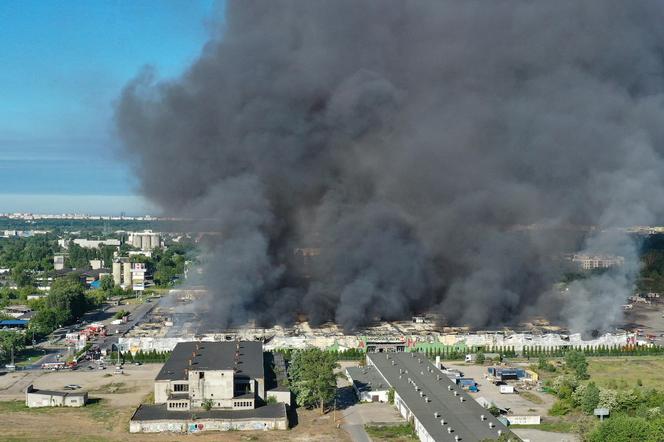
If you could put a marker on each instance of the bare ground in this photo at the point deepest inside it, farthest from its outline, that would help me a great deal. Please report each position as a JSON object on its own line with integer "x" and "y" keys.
{"x": 115, "y": 397}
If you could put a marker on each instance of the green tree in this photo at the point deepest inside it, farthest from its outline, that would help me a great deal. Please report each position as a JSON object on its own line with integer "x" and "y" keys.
{"x": 11, "y": 340}
{"x": 312, "y": 377}
{"x": 561, "y": 407}
{"x": 622, "y": 428}
{"x": 590, "y": 398}
{"x": 106, "y": 283}
{"x": 576, "y": 361}
{"x": 67, "y": 298}
{"x": 479, "y": 359}
{"x": 44, "y": 321}
{"x": 21, "y": 275}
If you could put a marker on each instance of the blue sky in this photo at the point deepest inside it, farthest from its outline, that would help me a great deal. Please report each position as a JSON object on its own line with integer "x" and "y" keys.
{"x": 62, "y": 64}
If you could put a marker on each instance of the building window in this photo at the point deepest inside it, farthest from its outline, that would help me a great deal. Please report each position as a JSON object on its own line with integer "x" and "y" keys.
{"x": 181, "y": 387}
{"x": 201, "y": 374}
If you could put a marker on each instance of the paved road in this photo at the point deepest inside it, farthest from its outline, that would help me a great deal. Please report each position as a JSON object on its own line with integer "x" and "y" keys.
{"x": 353, "y": 422}
{"x": 544, "y": 436}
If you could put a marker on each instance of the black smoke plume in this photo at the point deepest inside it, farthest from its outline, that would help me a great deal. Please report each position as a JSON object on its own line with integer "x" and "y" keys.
{"x": 414, "y": 145}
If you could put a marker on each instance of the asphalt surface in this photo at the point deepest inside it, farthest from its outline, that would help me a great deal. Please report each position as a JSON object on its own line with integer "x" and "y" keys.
{"x": 353, "y": 422}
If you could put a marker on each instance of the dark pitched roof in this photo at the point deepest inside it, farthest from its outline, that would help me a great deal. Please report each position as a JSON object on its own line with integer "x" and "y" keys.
{"x": 367, "y": 379}
{"x": 462, "y": 417}
{"x": 214, "y": 356}
{"x": 159, "y": 412}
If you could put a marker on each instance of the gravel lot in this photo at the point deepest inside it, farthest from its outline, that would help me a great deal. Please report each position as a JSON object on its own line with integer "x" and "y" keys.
{"x": 134, "y": 384}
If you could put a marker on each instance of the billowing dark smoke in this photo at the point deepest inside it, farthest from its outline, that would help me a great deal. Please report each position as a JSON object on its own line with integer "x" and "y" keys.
{"x": 411, "y": 142}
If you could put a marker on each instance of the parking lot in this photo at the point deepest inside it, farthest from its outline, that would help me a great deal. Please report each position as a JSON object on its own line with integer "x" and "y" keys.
{"x": 516, "y": 403}
{"x": 128, "y": 388}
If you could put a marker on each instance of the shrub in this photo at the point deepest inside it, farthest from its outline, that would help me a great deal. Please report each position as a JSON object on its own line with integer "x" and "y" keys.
{"x": 560, "y": 408}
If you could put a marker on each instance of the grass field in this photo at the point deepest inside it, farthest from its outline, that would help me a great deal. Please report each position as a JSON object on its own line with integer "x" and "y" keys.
{"x": 99, "y": 421}
{"x": 532, "y": 397}
{"x": 624, "y": 373}
{"x": 391, "y": 432}
{"x": 555, "y": 427}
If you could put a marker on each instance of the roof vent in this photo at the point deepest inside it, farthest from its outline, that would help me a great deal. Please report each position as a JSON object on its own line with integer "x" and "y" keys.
{"x": 457, "y": 438}
{"x": 392, "y": 362}
{"x": 456, "y": 393}
{"x": 461, "y": 399}
{"x": 449, "y": 387}
{"x": 500, "y": 432}
{"x": 482, "y": 417}
{"x": 442, "y": 421}
{"x": 491, "y": 425}
{"x": 436, "y": 414}
{"x": 449, "y": 430}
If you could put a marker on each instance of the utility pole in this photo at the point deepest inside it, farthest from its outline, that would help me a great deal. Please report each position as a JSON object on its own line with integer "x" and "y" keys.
{"x": 334, "y": 411}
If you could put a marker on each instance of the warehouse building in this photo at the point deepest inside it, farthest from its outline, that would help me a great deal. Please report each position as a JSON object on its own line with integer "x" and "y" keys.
{"x": 438, "y": 409}
{"x": 368, "y": 384}
{"x": 222, "y": 383}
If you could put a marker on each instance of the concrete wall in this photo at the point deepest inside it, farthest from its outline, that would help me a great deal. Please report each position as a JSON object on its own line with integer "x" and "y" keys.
{"x": 37, "y": 400}
{"x": 161, "y": 389}
{"x": 524, "y": 420}
{"x": 368, "y": 396}
{"x": 261, "y": 388}
{"x": 281, "y": 396}
{"x": 216, "y": 385}
{"x": 176, "y": 426}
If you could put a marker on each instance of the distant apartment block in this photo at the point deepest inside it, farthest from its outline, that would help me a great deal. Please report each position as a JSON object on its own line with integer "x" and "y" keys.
{"x": 129, "y": 275}
{"x": 58, "y": 262}
{"x": 147, "y": 240}
{"x": 592, "y": 262}
{"x": 89, "y": 243}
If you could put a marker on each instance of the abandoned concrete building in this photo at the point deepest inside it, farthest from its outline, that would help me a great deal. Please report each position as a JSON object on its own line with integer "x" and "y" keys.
{"x": 211, "y": 386}
{"x": 35, "y": 398}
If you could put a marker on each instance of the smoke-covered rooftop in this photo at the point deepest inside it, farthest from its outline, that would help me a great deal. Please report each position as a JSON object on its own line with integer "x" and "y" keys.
{"x": 405, "y": 140}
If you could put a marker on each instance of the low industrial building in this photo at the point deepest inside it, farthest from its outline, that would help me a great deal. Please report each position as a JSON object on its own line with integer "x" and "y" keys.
{"x": 35, "y": 398}
{"x": 368, "y": 384}
{"x": 438, "y": 409}
{"x": 211, "y": 386}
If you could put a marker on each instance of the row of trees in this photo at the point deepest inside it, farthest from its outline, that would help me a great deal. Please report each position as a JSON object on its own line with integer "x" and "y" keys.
{"x": 148, "y": 356}
{"x": 599, "y": 350}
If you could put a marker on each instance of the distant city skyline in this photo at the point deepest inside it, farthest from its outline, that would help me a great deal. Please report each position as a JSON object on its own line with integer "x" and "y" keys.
{"x": 64, "y": 64}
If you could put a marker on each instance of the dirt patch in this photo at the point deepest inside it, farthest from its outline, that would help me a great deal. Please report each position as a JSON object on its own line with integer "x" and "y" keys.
{"x": 103, "y": 422}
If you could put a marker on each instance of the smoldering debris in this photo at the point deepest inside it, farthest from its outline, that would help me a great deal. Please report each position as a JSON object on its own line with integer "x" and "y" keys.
{"x": 405, "y": 140}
